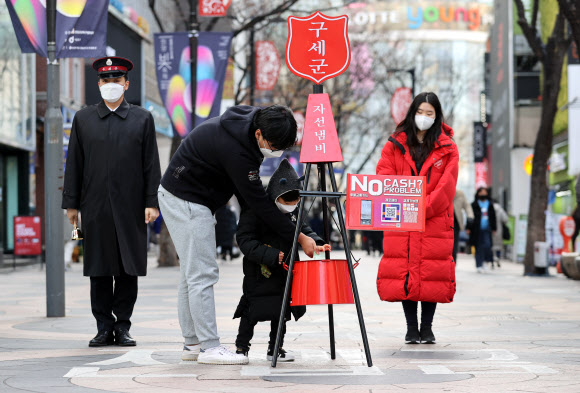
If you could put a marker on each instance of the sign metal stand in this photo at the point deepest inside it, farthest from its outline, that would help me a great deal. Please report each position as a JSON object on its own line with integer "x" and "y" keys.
{"x": 324, "y": 194}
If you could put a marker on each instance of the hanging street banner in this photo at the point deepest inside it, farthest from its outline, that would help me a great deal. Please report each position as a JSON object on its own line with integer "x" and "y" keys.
{"x": 214, "y": 7}
{"x": 27, "y": 232}
{"x": 172, "y": 62}
{"x": 385, "y": 203}
{"x": 267, "y": 65}
{"x": 81, "y": 27}
{"x": 320, "y": 139}
{"x": 318, "y": 48}
{"x": 400, "y": 103}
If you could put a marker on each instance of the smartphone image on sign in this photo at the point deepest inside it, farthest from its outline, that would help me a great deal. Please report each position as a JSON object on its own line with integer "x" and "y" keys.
{"x": 366, "y": 212}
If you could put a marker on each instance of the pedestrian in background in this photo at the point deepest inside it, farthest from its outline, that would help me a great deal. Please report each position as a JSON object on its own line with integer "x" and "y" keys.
{"x": 418, "y": 266}
{"x": 484, "y": 225}
{"x": 502, "y": 218}
{"x": 225, "y": 230}
{"x": 219, "y": 158}
{"x": 460, "y": 222}
{"x": 112, "y": 174}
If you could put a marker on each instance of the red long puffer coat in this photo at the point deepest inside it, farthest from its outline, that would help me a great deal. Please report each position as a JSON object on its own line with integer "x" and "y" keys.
{"x": 419, "y": 266}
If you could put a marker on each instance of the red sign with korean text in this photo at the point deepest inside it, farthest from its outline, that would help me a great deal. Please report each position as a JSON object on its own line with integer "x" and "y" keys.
{"x": 400, "y": 103}
{"x": 27, "y": 232}
{"x": 267, "y": 65}
{"x": 214, "y": 7}
{"x": 317, "y": 47}
{"x": 320, "y": 139}
{"x": 385, "y": 203}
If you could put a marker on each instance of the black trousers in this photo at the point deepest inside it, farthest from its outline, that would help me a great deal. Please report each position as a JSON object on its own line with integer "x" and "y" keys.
{"x": 113, "y": 297}
{"x": 246, "y": 332}
{"x": 427, "y": 312}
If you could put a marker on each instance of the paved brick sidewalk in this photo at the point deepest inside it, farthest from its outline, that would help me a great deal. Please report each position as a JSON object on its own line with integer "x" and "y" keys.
{"x": 504, "y": 333}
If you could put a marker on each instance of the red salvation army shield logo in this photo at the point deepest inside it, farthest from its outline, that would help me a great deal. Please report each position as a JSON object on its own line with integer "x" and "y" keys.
{"x": 318, "y": 48}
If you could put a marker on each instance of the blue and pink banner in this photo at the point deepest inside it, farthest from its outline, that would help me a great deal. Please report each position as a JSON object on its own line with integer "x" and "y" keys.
{"x": 81, "y": 27}
{"x": 172, "y": 57}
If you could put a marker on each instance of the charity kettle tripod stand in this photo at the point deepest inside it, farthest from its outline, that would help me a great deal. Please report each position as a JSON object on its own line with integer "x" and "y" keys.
{"x": 322, "y": 193}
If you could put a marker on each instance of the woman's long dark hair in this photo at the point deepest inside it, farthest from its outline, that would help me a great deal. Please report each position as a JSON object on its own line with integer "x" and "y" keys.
{"x": 409, "y": 127}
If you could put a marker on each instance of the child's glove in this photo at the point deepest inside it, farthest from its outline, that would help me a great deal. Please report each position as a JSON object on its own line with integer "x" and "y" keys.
{"x": 265, "y": 271}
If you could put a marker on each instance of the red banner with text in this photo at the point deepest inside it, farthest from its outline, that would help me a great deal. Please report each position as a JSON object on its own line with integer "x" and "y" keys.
{"x": 320, "y": 139}
{"x": 385, "y": 203}
{"x": 27, "y": 232}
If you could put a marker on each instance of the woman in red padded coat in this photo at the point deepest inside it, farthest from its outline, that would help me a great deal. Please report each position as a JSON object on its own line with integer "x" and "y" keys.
{"x": 418, "y": 266}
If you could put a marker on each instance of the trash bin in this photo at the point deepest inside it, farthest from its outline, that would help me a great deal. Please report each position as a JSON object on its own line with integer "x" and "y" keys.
{"x": 541, "y": 254}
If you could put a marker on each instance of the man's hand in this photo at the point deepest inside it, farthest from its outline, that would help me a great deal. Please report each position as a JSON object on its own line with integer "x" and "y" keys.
{"x": 73, "y": 216}
{"x": 280, "y": 257}
{"x": 151, "y": 214}
{"x": 308, "y": 244}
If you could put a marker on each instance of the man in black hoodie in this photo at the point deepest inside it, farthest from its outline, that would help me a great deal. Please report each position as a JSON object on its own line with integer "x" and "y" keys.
{"x": 218, "y": 159}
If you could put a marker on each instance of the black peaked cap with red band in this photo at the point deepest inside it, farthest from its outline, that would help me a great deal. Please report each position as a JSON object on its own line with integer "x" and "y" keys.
{"x": 112, "y": 67}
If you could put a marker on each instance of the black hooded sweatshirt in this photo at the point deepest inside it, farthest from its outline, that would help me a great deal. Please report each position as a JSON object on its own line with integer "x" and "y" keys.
{"x": 220, "y": 158}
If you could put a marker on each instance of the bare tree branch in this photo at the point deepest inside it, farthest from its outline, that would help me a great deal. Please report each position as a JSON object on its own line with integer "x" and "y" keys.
{"x": 256, "y": 20}
{"x": 571, "y": 10}
{"x": 530, "y": 32}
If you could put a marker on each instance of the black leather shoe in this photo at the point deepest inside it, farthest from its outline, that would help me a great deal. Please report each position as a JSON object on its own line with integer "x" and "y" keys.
{"x": 427, "y": 336}
{"x": 102, "y": 339}
{"x": 412, "y": 336}
{"x": 124, "y": 339}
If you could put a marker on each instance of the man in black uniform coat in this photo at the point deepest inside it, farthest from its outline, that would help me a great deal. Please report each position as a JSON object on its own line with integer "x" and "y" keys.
{"x": 112, "y": 174}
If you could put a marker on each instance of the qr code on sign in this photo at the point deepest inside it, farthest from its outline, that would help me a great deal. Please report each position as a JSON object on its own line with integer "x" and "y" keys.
{"x": 391, "y": 212}
{"x": 410, "y": 217}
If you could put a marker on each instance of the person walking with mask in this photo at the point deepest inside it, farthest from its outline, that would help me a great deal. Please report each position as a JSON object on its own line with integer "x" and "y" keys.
{"x": 112, "y": 175}
{"x": 418, "y": 266}
{"x": 484, "y": 225}
{"x": 219, "y": 158}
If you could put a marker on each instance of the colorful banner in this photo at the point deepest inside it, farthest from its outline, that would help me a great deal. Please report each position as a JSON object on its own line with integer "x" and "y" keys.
{"x": 385, "y": 203}
{"x": 172, "y": 57}
{"x": 81, "y": 27}
{"x": 267, "y": 65}
{"x": 27, "y": 232}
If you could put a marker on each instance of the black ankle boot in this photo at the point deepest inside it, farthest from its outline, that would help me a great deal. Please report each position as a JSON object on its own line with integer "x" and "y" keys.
{"x": 427, "y": 336}
{"x": 412, "y": 336}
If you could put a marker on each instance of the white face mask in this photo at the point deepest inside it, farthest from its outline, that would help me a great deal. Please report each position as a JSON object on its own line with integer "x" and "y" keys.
{"x": 423, "y": 122}
{"x": 286, "y": 208}
{"x": 111, "y": 92}
{"x": 268, "y": 153}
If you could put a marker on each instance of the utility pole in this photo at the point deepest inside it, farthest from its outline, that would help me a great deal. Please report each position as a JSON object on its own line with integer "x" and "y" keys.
{"x": 193, "y": 42}
{"x": 53, "y": 176}
{"x": 252, "y": 67}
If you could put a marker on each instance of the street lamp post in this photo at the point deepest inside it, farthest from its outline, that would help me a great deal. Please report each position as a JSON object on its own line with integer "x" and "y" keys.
{"x": 411, "y": 72}
{"x": 53, "y": 176}
{"x": 193, "y": 43}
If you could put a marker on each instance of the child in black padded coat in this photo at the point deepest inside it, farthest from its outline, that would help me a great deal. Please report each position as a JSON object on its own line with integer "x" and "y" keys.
{"x": 264, "y": 253}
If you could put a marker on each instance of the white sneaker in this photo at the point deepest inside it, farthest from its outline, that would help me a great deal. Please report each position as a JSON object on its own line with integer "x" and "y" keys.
{"x": 480, "y": 270}
{"x": 221, "y": 355}
{"x": 283, "y": 356}
{"x": 190, "y": 352}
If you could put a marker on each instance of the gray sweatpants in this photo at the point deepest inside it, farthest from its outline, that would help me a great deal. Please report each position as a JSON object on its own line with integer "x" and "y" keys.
{"x": 192, "y": 229}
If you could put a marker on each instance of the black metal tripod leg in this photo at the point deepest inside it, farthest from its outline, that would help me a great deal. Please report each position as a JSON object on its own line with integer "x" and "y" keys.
{"x": 351, "y": 270}
{"x": 288, "y": 287}
{"x": 326, "y": 226}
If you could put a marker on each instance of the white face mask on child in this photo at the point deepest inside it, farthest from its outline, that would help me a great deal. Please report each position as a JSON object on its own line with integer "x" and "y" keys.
{"x": 286, "y": 208}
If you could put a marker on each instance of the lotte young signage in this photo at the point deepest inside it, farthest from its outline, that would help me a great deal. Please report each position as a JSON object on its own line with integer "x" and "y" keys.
{"x": 385, "y": 203}
{"x": 318, "y": 48}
